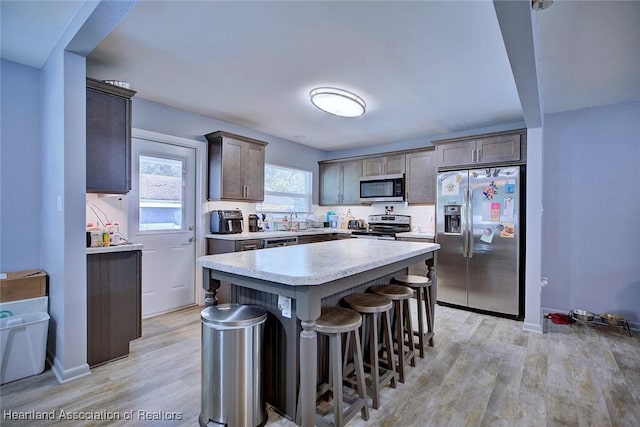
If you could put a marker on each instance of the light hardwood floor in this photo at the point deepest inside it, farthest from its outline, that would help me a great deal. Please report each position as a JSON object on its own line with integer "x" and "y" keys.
{"x": 482, "y": 371}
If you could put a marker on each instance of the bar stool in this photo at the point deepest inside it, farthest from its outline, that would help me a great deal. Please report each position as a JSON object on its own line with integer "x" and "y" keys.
{"x": 333, "y": 322}
{"x": 421, "y": 285}
{"x": 369, "y": 306}
{"x": 400, "y": 295}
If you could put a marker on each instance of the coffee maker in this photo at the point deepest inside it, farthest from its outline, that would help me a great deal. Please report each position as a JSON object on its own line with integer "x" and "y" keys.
{"x": 253, "y": 223}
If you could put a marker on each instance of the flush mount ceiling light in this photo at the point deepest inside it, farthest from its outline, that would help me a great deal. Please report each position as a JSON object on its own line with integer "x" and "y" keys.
{"x": 338, "y": 102}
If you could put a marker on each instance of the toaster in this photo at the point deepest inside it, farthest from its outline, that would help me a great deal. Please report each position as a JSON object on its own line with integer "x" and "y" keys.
{"x": 356, "y": 224}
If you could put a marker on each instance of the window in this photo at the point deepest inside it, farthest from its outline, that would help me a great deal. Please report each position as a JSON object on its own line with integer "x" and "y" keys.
{"x": 286, "y": 190}
{"x": 161, "y": 196}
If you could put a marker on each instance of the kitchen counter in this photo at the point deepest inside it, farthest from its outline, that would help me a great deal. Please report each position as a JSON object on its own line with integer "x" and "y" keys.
{"x": 305, "y": 278}
{"x": 116, "y": 248}
{"x": 309, "y": 265}
{"x": 247, "y": 235}
{"x": 417, "y": 235}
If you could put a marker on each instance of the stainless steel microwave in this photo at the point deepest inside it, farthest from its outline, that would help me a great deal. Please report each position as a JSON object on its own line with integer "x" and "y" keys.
{"x": 382, "y": 188}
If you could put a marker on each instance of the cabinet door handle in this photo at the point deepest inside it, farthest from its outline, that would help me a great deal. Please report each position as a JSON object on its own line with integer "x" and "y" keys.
{"x": 473, "y": 156}
{"x": 479, "y": 154}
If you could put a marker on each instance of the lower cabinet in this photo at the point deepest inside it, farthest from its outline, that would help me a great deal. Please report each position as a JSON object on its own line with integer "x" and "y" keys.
{"x": 315, "y": 238}
{"x": 114, "y": 311}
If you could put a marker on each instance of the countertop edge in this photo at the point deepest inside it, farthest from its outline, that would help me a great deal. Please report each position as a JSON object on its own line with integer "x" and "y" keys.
{"x": 417, "y": 235}
{"x": 116, "y": 248}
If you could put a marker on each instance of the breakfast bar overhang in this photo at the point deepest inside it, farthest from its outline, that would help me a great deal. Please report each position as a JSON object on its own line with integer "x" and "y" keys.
{"x": 311, "y": 275}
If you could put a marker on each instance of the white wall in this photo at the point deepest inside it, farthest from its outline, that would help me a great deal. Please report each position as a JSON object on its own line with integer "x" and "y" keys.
{"x": 533, "y": 224}
{"x": 63, "y": 184}
{"x": 591, "y": 238}
{"x": 20, "y": 168}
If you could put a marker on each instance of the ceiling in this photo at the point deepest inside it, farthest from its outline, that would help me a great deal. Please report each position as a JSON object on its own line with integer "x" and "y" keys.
{"x": 29, "y": 30}
{"x": 424, "y": 68}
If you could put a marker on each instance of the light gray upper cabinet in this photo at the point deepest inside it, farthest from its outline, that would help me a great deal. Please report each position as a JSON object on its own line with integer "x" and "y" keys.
{"x": 383, "y": 165}
{"x": 421, "y": 177}
{"x": 340, "y": 182}
{"x": 490, "y": 149}
{"x": 236, "y": 167}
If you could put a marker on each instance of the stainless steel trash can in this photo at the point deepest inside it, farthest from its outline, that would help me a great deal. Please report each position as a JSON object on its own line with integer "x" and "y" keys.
{"x": 232, "y": 384}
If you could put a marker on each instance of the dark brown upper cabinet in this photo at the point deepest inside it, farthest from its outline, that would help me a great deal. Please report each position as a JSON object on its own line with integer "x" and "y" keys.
{"x": 108, "y": 138}
{"x": 236, "y": 167}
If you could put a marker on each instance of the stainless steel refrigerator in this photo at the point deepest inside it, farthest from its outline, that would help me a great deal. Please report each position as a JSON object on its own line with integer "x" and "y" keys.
{"x": 480, "y": 228}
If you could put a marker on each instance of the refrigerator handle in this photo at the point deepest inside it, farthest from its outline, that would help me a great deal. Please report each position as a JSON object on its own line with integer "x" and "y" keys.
{"x": 469, "y": 230}
{"x": 465, "y": 242}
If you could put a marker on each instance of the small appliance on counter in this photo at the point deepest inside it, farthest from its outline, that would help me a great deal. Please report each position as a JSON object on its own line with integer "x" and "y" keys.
{"x": 226, "y": 222}
{"x": 357, "y": 224}
{"x": 253, "y": 223}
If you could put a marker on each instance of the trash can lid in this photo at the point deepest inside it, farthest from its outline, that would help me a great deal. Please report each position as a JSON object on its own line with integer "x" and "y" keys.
{"x": 230, "y": 315}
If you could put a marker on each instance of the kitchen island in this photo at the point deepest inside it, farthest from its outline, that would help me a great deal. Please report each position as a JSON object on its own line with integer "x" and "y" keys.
{"x": 303, "y": 279}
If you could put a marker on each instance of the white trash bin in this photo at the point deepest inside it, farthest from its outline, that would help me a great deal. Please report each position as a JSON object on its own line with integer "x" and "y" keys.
{"x": 23, "y": 345}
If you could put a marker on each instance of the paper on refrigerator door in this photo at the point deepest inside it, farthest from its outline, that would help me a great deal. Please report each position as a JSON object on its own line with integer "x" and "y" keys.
{"x": 487, "y": 235}
{"x": 451, "y": 186}
{"x": 508, "y": 209}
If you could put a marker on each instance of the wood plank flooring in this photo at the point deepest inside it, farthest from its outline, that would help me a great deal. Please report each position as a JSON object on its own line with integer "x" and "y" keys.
{"x": 482, "y": 371}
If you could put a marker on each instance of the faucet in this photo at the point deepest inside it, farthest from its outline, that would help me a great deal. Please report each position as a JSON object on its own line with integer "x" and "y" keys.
{"x": 291, "y": 226}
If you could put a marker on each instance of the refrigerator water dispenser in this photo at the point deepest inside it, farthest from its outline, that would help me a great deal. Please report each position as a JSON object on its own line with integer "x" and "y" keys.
{"x": 452, "y": 219}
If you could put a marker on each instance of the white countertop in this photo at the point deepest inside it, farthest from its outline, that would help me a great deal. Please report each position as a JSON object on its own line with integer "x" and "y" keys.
{"x": 116, "y": 248}
{"x": 417, "y": 235}
{"x": 246, "y": 235}
{"x": 304, "y": 265}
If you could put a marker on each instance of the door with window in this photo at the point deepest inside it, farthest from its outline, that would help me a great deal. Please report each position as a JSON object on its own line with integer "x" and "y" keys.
{"x": 162, "y": 218}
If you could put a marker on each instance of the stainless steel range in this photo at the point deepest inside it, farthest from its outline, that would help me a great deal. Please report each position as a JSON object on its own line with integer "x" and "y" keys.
{"x": 384, "y": 227}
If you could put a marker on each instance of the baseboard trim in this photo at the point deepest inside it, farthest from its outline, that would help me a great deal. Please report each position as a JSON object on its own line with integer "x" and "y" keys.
{"x": 67, "y": 375}
{"x": 532, "y": 327}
